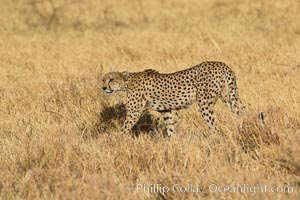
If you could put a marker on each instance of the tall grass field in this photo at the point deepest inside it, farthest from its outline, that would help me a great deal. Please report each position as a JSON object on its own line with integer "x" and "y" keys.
{"x": 60, "y": 136}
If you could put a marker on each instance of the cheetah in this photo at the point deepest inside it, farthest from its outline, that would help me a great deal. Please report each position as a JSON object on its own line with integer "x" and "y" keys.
{"x": 204, "y": 84}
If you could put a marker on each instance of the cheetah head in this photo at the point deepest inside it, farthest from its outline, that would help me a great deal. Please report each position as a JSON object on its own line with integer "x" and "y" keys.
{"x": 114, "y": 81}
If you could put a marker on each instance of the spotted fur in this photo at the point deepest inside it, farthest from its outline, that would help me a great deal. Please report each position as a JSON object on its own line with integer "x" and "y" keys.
{"x": 166, "y": 93}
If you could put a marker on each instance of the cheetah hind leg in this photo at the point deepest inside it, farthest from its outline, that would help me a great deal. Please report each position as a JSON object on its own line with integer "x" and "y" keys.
{"x": 171, "y": 120}
{"x": 207, "y": 112}
{"x": 229, "y": 96}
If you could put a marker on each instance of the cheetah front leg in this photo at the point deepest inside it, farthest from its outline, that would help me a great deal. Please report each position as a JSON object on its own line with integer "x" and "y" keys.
{"x": 171, "y": 121}
{"x": 133, "y": 113}
{"x": 130, "y": 121}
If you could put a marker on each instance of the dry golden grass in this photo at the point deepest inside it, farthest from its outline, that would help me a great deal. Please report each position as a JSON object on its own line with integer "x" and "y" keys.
{"x": 60, "y": 136}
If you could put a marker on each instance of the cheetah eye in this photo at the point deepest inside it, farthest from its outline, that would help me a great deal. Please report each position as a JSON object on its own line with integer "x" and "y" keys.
{"x": 110, "y": 80}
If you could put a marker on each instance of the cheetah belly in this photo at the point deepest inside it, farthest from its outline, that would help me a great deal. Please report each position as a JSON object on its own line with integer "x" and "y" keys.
{"x": 165, "y": 102}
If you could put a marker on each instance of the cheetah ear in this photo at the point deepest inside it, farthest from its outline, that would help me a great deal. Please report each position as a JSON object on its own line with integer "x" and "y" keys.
{"x": 125, "y": 75}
